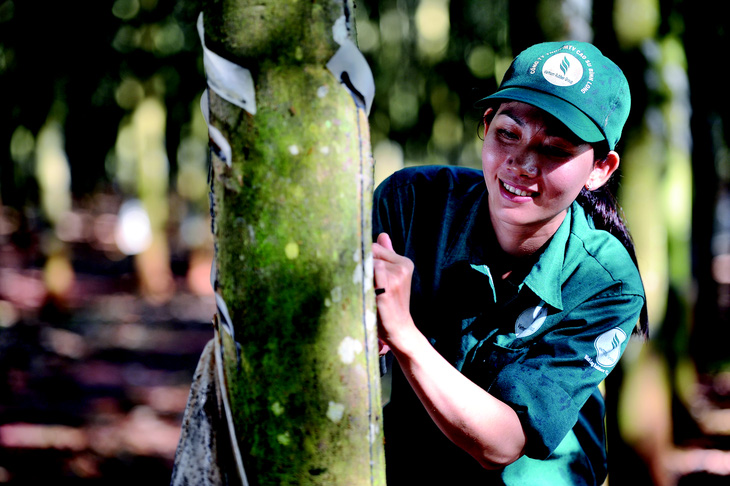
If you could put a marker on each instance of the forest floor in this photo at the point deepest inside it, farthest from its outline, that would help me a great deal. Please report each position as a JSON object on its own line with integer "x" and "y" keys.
{"x": 93, "y": 391}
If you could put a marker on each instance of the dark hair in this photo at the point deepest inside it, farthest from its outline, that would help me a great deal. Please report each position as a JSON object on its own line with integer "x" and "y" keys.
{"x": 606, "y": 213}
{"x": 603, "y": 208}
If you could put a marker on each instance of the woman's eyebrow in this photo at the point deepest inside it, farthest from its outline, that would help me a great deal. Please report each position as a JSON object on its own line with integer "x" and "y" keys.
{"x": 553, "y": 127}
{"x": 509, "y": 113}
{"x": 563, "y": 132}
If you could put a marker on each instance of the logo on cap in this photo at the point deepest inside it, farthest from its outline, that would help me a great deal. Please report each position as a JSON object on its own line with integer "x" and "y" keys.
{"x": 608, "y": 346}
{"x": 562, "y": 69}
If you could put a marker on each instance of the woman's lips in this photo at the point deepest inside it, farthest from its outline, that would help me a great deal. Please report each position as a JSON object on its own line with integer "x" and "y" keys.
{"x": 509, "y": 188}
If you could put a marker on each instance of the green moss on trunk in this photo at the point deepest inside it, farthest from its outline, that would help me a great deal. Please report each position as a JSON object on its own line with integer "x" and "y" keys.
{"x": 292, "y": 233}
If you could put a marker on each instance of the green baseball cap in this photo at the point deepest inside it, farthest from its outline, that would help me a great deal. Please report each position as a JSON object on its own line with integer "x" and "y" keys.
{"x": 574, "y": 82}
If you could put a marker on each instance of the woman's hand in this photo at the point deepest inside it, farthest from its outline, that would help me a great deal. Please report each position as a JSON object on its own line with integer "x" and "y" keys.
{"x": 392, "y": 273}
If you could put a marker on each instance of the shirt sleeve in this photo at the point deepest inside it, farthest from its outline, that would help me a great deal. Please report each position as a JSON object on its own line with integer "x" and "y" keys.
{"x": 381, "y": 209}
{"x": 393, "y": 205}
{"x": 548, "y": 382}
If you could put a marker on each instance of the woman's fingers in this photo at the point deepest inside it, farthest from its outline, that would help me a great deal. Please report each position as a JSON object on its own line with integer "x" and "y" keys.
{"x": 384, "y": 240}
{"x": 383, "y": 250}
{"x": 380, "y": 278}
{"x": 392, "y": 273}
{"x": 383, "y": 348}
{"x": 391, "y": 269}
{"x": 382, "y": 253}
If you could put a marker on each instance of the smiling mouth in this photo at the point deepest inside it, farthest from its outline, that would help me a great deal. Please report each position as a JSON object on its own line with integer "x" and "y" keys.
{"x": 517, "y": 192}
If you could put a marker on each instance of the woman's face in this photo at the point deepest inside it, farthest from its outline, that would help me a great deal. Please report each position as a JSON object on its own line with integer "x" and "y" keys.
{"x": 534, "y": 168}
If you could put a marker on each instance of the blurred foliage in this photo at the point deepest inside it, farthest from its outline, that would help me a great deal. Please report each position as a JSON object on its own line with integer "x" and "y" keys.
{"x": 431, "y": 60}
{"x": 87, "y": 73}
{"x": 108, "y": 102}
{"x": 104, "y": 99}
{"x": 428, "y": 73}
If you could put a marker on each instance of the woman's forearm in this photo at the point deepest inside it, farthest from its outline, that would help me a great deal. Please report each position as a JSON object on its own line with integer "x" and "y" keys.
{"x": 488, "y": 429}
{"x": 483, "y": 426}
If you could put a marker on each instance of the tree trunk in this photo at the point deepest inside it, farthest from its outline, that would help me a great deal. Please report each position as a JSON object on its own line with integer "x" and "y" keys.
{"x": 291, "y": 220}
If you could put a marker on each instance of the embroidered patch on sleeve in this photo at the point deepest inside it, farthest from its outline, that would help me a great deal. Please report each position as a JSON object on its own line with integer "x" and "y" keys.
{"x": 608, "y": 346}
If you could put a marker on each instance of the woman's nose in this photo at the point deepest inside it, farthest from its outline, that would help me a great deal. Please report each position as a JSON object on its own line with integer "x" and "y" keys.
{"x": 525, "y": 164}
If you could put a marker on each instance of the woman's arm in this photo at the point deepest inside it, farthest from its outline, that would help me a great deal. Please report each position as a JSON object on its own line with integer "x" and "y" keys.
{"x": 474, "y": 420}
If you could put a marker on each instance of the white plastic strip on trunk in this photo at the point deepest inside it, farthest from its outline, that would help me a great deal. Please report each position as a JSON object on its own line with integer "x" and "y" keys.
{"x": 230, "y": 81}
{"x": 218, "y": 141}
{"x": 225, "y": 316}
{"x": 351, "y": 68}
{"x": 213, "y": 275}
{"x": 223, "y": 393}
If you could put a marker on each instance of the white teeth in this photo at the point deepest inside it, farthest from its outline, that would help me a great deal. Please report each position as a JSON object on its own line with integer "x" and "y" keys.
{"x": 514, "y": 190}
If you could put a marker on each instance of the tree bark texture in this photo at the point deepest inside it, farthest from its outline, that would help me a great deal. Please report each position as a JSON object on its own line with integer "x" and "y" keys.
{"x": 291, "y": 220}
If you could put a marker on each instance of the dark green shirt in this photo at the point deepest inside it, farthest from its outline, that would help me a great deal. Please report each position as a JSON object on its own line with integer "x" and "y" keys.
{"x": 541, "y": 341}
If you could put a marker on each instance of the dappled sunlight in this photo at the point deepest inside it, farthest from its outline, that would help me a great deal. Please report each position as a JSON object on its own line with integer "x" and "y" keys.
{"x": 106, "y": 244}
{"x": 645, "y": 410}
{"x": 105, "y": 298}
{"x": 52, "y": 171}
{"x": 142, "y": 432}
{"x": 721, "y": 268}
{"x": 432, "y": 22}
{"x": 389, "y": 155}
{"x": 133, "y": 233}
{"x": 481, "y": 61}
{"x": 636, "y": 20}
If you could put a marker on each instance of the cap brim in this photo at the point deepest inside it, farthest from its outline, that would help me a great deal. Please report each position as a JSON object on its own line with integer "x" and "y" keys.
{"x": 577, "y": 121}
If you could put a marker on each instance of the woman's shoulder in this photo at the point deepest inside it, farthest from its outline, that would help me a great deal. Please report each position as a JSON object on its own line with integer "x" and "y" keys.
{"x": 435, "y": 177}
{"x": 437, "y": 203}
{"x": 600, "y": 255}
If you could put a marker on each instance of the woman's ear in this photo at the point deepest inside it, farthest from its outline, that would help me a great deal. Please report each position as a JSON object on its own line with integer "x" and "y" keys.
{"x": 602, "y": 171}
{"x": 487, "y": 118}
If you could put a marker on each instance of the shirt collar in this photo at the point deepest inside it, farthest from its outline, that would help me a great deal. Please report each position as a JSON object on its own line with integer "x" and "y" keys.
{"x": 545, "y": 278}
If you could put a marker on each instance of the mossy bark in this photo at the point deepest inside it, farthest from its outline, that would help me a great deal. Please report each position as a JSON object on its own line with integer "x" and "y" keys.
{"x": 292, "y": 231}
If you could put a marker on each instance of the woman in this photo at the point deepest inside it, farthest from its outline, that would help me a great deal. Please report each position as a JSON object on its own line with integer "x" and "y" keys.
{"x": 507, "y": 295}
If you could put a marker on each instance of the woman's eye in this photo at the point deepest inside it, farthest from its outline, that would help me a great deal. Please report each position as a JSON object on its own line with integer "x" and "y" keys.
{"x": 507, "y": 134}
{"x": 557, "y": 152}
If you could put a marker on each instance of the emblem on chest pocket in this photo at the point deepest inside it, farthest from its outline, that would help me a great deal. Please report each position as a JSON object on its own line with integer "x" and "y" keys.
{"x": 530, "y": 320}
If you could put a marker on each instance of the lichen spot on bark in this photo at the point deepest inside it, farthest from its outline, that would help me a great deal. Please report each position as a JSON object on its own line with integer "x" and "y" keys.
{"x": 284, "y": 439}
{"x": 335, "y": 411}
{"x": 349, "y": 348}
{"x": 336, "y": 294}
{"x": 277, "y": 409}
{"x": 291, "y": 250}
{"x": 357, "y": 275}
{"x": 371, "y": 320}
{"x": 367, "y": 269}
{"x": 374, "y": 431}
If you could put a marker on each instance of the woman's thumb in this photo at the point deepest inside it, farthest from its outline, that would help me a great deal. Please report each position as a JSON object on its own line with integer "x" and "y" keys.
{"x": 384, "y": 241}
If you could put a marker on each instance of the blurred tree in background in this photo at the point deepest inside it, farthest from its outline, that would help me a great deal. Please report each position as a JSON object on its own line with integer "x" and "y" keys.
{"x": 101, "y": 131}
{"x": 104, "y": 104}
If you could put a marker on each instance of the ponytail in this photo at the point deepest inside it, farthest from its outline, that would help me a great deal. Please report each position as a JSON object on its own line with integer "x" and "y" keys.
{"x": 601, "y": 205}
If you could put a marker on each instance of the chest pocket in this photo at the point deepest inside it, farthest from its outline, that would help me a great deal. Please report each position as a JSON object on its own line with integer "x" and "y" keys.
{"x": 490, "y": 357}
{"x": 520, "y": 330}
